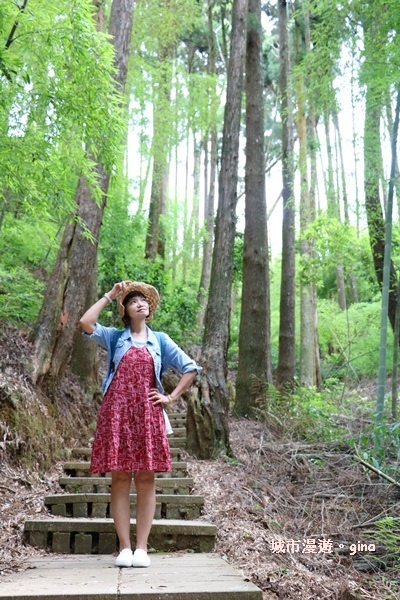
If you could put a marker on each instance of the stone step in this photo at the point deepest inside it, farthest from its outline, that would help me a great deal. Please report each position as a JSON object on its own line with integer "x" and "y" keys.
{"x": 177, "y": 442}
{"x": 93, "y": 485}
{"x": 168, "y": 506}
{"x": 81, "y": 469}
{"x": 87, "y": 452}
{"x": 179, "y": 432}
{"x": 97, "y": 536}
{"x": 170, "y": 576}
{"x": 177, "y": 417}
{"x": 177, "y": 422}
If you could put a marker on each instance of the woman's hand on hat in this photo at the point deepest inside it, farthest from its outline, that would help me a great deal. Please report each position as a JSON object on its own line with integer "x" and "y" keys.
{"x": 117, "y": 289}
{"x": 157, "y": 398}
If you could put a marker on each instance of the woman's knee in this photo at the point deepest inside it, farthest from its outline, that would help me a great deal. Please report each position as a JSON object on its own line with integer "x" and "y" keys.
{"x": 121, "y": 478}
{"x": 144, "y": 478}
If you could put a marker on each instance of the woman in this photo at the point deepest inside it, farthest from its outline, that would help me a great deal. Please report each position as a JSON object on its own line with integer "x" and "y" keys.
{"x": 131, "y": 434}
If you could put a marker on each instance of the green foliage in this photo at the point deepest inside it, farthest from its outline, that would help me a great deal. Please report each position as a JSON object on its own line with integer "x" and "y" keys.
{"x": 177, "y": 315}
{"x": 335, "y": 244}
{"x": 24, "y": 242}
{"x": 27, "y": 252}
{"x": 327, "y": 22}
{"x": 121, "y": 257}
{"x": 349, "y": 340}
{"x": 58, "y": 107}
{"x": 386, "y": 532}
{"x": 306, "y": 414}
{"x": 381, "y": 22}
{"x": 20, "y": 296}
{"x": 379, "y": 445}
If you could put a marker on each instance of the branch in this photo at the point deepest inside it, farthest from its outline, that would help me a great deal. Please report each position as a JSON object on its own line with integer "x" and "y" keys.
{"x": 378, "y": 471}
{"x": 10, "y": 38}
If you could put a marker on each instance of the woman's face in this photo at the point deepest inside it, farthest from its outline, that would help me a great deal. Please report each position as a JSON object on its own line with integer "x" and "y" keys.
{"x": 137, "y": 306}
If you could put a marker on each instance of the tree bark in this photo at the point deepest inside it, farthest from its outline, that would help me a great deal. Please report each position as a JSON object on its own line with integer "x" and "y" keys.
{"x": 351, "y": 279}
{"x": 382, "y": 372}
{"x": 308, "y": 349}
{"x": 287, "y": 351}
{"x": 84, "y": 359}
{"x": 217, "y": 319}
{"x": 209, "y": 199}
{"x": 155, "y": 239}
{"x": 334, "y": 210}
{"x": 209, "y": 236}
{"x": 67, "y": 288}
{"x": 196, "y": 198}
{"x": 375, "y": 218}
{"x": 254, "y": 331}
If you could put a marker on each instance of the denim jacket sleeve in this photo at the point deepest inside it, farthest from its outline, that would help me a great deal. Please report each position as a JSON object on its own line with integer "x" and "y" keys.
{"x": 105, "y": 337}
{"x": 175, "y": 357}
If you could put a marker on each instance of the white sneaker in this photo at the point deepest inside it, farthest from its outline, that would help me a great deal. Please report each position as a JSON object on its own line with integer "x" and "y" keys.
{"x": 124, "y": 558}
{"x": 140, "y": 558}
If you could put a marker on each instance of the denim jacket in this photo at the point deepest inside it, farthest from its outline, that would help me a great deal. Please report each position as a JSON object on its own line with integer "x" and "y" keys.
{"x": 173, "y": 355}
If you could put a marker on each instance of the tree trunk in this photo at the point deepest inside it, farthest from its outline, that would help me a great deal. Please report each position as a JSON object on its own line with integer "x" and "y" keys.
{"x": 67, "y": 288}
{"x": 209, "y": 236}
{"x": 209, "y": 199}
{"x": 196, "y": 198}
{"x": 395, "y": 368}
{"x": 375, "y": 219}
{"x": 382, "y": 373}
{"x": 254, "y": 332}
{"x": 84, "y": 360}
{"x": 390, "y": 131}
{"x": 351, "y": 279}
{"x": 307, "y": 210}
{"x": 312, "y": 149}
{"x": 155, "y": 239}
{"x": 334, "y": 210}
{"x": 287, "y": 351}
{"x": 217, "y": 318}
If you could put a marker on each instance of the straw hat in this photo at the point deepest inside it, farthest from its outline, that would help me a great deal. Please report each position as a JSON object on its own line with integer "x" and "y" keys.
{"x": 148, "y": 291}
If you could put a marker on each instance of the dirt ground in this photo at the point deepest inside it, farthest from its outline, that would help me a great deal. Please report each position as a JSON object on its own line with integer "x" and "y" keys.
{"x": 295, "y": 518}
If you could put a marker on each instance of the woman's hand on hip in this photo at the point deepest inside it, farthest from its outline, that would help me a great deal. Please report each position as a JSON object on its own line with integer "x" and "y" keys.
{"x": 157, "y": 397}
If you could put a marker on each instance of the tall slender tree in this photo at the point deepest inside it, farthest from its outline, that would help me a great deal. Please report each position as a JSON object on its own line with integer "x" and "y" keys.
{"x": 386, "y": 273}
{"x": 155, "y": 242}
{"x": 209, "y": 200}
{"x": 254, "y": 332}
{"x": 372, "y": 155}
{"x": 287, "y": 351}
{"x": 208, "y": 428}
{"x": 308, "y": 350}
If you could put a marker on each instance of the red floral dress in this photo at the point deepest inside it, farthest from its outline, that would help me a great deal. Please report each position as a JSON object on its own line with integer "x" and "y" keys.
{"x": 130, "y": 434}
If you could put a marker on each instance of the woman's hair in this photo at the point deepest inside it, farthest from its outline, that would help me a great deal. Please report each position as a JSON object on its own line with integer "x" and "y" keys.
{"x": 125, "y": 319}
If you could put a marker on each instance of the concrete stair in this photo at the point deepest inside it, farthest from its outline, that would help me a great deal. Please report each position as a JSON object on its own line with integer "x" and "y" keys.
{"x": 81, "y": 525}
{"x": 168, "y": 506}
{"x": 168, "y": 485}
{"x": 81, "y": 469}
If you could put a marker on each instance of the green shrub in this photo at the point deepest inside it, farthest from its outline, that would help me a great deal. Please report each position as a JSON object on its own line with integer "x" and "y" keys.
{"x": 20, "y": 296}
{"x": 305, "y": 414}
{"x": 349, "y": 340}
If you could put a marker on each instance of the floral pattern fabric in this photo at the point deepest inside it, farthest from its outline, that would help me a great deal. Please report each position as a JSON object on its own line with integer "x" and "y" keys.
{"x": 130, "y": 434}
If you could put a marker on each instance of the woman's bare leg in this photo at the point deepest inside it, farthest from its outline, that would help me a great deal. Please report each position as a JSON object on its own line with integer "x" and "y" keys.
{"x": 120, "y": 506}
{"x": 145, "y": 507}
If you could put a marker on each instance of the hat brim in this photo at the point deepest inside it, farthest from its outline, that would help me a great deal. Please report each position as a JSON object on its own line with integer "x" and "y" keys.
{"x": 148, "y": 291}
